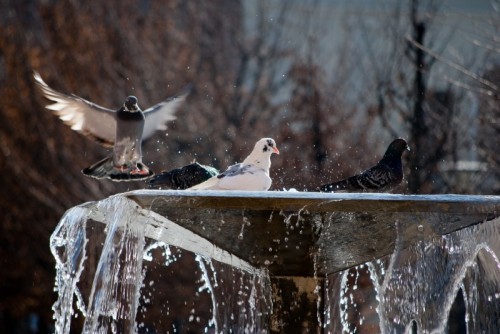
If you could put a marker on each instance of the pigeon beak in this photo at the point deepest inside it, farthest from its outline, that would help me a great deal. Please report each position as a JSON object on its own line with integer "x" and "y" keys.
{"x": 275, "y": 150}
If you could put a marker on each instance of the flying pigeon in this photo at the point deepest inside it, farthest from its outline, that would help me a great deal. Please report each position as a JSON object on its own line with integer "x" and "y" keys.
{"x": 251, "y": 174}
{"x": 183, "y": 178}
{"x": 124, "y": 129}
{"x": 384, "y": 176}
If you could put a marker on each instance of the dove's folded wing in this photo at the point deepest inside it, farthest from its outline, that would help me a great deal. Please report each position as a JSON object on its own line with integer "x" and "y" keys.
{"x": 234, "y": 170}
{"x": 81, "y": 115}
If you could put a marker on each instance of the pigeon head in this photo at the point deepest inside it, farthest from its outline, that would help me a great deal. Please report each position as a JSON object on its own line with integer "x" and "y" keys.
{"x": 261, "y": 153}
{"x": 131, "y": 104}
{"x": 268, "y": 146}
{"x": 396, "y": 148}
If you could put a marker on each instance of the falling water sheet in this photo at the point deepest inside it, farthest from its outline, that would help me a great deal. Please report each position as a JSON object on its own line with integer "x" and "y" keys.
{"x": 416, "y": 287}
{"x": 115, "y": 291}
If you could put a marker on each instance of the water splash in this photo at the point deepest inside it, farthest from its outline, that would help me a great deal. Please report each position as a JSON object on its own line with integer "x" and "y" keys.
{"x": 208, "y": 286}
{"x": 67, "y": 244}
{"x": 139, "y": 244}
{"x": 114, "y": 296}
{"x": 245, "y": 222}
{"x": 167, "y": 252}
{"x": 240, "y": 301}
{"x": 287, "y": 216}
{"x": 416, "y": 287}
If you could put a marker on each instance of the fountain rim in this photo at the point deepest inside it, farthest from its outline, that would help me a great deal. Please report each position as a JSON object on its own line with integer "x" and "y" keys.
{"x": 417, "y": 217}
{"x": 315, "y": 201}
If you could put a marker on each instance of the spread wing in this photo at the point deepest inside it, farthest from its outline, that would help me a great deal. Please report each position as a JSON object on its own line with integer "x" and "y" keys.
{"x": 158, "y": 115}
{"x": 81, "y": 115}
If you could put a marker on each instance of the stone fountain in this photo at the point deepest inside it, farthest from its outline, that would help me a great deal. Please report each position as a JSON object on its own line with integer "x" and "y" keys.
{"x": 152, "y": 261}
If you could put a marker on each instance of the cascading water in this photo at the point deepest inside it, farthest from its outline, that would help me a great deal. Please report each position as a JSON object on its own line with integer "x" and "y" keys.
{"x": 126, "y": 293}
{"x": 414, "y": 289}
{"x": 68, "y": 247}
{"x": 124, "y": 268}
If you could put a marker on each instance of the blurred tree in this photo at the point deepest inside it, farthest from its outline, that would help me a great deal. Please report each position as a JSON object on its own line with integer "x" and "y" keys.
{"x": 415, "y": 96}
{"x": 318, "y": 122}
{"x": 488, "y": 91}
{"x": 104, "y": 52}
{"x": 403, "y": 93}
{"x": 489, "y": 130}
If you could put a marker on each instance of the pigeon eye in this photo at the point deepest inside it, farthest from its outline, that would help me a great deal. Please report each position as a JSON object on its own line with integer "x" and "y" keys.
{"x": 265, "y": 148}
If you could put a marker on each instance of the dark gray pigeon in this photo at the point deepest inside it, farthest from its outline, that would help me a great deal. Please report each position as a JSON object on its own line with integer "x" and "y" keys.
{"x": 385, "y": 175}
{"x": 183, "y": 178}
{"x": 124, "y": 129}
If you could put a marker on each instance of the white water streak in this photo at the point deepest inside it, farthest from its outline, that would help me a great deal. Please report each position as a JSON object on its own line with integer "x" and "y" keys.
{"x": 67, "y": 244}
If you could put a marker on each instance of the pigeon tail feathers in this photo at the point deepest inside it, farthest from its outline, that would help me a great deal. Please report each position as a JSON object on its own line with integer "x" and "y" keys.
{"x": 183, "y": 178}
{"x": 336, "y": 186}
{"x": 106, "y": 168}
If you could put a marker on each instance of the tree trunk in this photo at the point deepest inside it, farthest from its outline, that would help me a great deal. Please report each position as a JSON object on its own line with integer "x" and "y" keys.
{"x": 418, "y": 128}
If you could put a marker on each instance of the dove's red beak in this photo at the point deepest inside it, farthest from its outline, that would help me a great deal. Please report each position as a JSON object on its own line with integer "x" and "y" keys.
{"x": 275, "y": 150}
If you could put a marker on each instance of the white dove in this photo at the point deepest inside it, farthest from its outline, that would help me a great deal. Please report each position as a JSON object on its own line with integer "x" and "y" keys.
{"x": 122, "y": 129}
{"x": 251, "y": 174}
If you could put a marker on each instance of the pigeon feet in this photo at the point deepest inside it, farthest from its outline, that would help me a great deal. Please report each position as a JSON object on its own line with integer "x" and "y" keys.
{"x": 122, "y": 168}
{"x": 138, "y": 171}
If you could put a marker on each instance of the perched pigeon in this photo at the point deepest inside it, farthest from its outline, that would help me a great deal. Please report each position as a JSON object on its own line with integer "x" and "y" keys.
{"x": 183, "y": 178}
{"x": 123, "y": 129}
{"x": 251, "y": 174}
{"x": 384, "y": 176}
